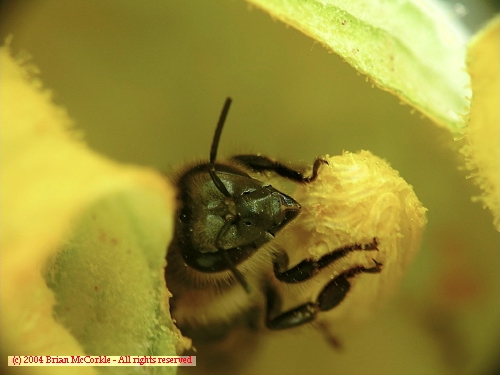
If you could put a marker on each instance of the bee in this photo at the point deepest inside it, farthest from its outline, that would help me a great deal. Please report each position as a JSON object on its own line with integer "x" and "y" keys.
{"x": 224, "y": 262}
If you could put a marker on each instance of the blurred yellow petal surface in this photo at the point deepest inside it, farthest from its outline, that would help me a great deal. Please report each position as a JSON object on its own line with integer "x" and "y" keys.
{"x": 83, "y": 239}
{"x": 483, "y": 132}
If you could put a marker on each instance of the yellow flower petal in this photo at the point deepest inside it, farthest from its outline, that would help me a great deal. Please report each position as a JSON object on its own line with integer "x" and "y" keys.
{"x": 92, "y": 230}
{"x": 483, "y": 133}
{"x": 409, "y": 48}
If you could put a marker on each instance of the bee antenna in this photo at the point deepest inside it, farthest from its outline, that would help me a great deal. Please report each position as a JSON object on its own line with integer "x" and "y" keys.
{"x": 237, "y": 274}
{"x": 215, "y": 144}
{"x": 218, "y": 130}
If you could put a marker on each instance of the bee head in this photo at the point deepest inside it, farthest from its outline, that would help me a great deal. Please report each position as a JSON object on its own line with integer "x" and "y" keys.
{"x": 227, "y": 215}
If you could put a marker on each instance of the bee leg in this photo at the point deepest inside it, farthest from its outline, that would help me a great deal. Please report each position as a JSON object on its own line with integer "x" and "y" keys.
{"x": 260, "y": 163}
{"x": 330, "y": 296}
{"x": 309, "y": 267}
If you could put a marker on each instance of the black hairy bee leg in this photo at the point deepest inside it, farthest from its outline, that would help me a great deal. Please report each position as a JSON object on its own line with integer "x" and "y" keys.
{"x": 330, "y": 296}
{"x": 309, "y": 267}
{"x": 260, "y": 163}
